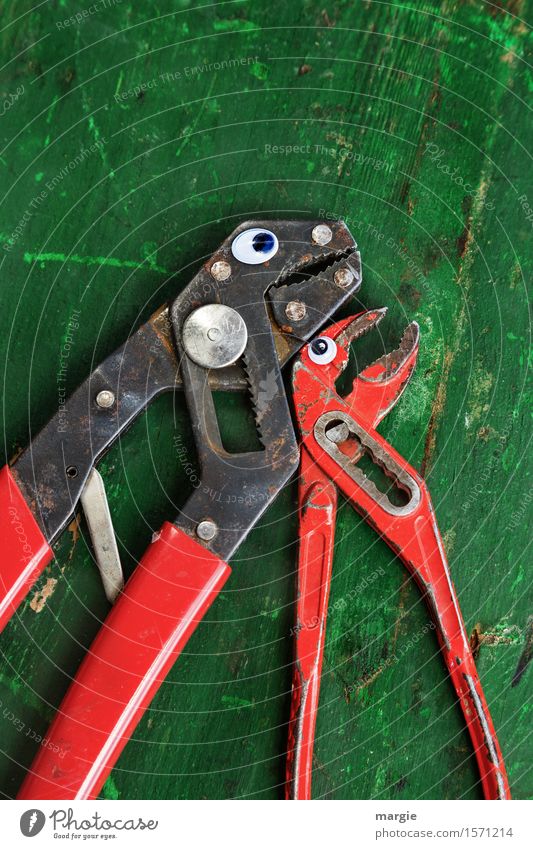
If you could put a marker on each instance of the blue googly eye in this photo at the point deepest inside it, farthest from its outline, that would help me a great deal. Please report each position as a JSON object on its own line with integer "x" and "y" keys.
{"x": 255, "y": 246}
{"x": 322, "y": 350}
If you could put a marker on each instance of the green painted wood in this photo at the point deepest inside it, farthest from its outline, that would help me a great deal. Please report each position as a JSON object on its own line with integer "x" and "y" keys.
{"x": 121, "y": 168}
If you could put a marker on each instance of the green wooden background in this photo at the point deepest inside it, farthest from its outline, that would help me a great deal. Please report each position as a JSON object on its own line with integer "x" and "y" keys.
{"x": 132, "y": 142}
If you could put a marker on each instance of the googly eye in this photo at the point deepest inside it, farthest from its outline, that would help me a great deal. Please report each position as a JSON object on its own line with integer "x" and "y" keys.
{"x": 254, "y": 246}
{"x": 322, "y": 350}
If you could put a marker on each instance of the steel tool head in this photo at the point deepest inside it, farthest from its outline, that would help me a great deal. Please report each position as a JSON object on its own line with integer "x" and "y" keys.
{"x": 261, "y": 295}
{"x": 303, "y": 270}
{"x": 266, "y": 291}
{"x": 376, "y": 388}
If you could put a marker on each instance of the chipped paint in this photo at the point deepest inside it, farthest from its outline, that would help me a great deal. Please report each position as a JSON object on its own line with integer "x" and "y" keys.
{"x": 41, "y": 597}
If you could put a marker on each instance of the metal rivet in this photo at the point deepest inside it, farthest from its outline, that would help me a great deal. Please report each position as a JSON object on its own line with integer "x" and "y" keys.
{"x": 343, "y": 277}
{"x": 206, "y": 530}
{"x": 105, "y": 399}
{"x": 321, "y": 234}
{"x": 221, "y": 270}
{"x": 337, "y": 433}
{"x": 295, "y": 310}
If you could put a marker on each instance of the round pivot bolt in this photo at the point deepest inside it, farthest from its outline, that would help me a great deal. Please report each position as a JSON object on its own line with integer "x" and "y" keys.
{"x": 105, "y": 399}
{"x": 221, "y": 270}
{"x": 338, "y": 433}
{"x": 321, "y": 234}
{"x": 295, "y": 310}
{"x": 343, "y": 277}
{"x": 206, "y": 530}
{"x": 214, "y": 336}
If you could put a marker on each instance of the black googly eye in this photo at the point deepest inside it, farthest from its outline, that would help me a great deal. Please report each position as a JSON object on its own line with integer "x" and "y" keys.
{"x": 322, "y": 350}
{"x": 255, "y": 246}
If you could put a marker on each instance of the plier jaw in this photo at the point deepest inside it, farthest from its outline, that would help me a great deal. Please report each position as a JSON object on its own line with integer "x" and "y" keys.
{"x": 375, "y": 390}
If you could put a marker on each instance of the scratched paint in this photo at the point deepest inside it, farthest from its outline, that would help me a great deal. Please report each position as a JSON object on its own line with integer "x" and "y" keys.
{"x": 41, "y": 597}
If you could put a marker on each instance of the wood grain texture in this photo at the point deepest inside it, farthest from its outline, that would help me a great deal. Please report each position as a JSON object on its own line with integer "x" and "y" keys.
{"x": 137, "y": 140}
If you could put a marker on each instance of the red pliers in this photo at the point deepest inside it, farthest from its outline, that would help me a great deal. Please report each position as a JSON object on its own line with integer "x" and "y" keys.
{"x": 335, "y": 434}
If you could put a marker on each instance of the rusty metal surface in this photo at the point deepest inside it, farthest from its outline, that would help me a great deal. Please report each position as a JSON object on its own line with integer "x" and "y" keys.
{"x": 235, "y": 489}
{"x": 53, "y": 470}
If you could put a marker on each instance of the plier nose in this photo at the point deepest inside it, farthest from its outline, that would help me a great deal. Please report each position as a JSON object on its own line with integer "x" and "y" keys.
{"x": 377, "y": 388}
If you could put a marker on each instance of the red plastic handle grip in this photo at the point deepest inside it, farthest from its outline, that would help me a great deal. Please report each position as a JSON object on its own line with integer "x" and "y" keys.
{"x": 150, "y": 623}
{"x": 317, "y": 505}
{"x": 25, "y": 551}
